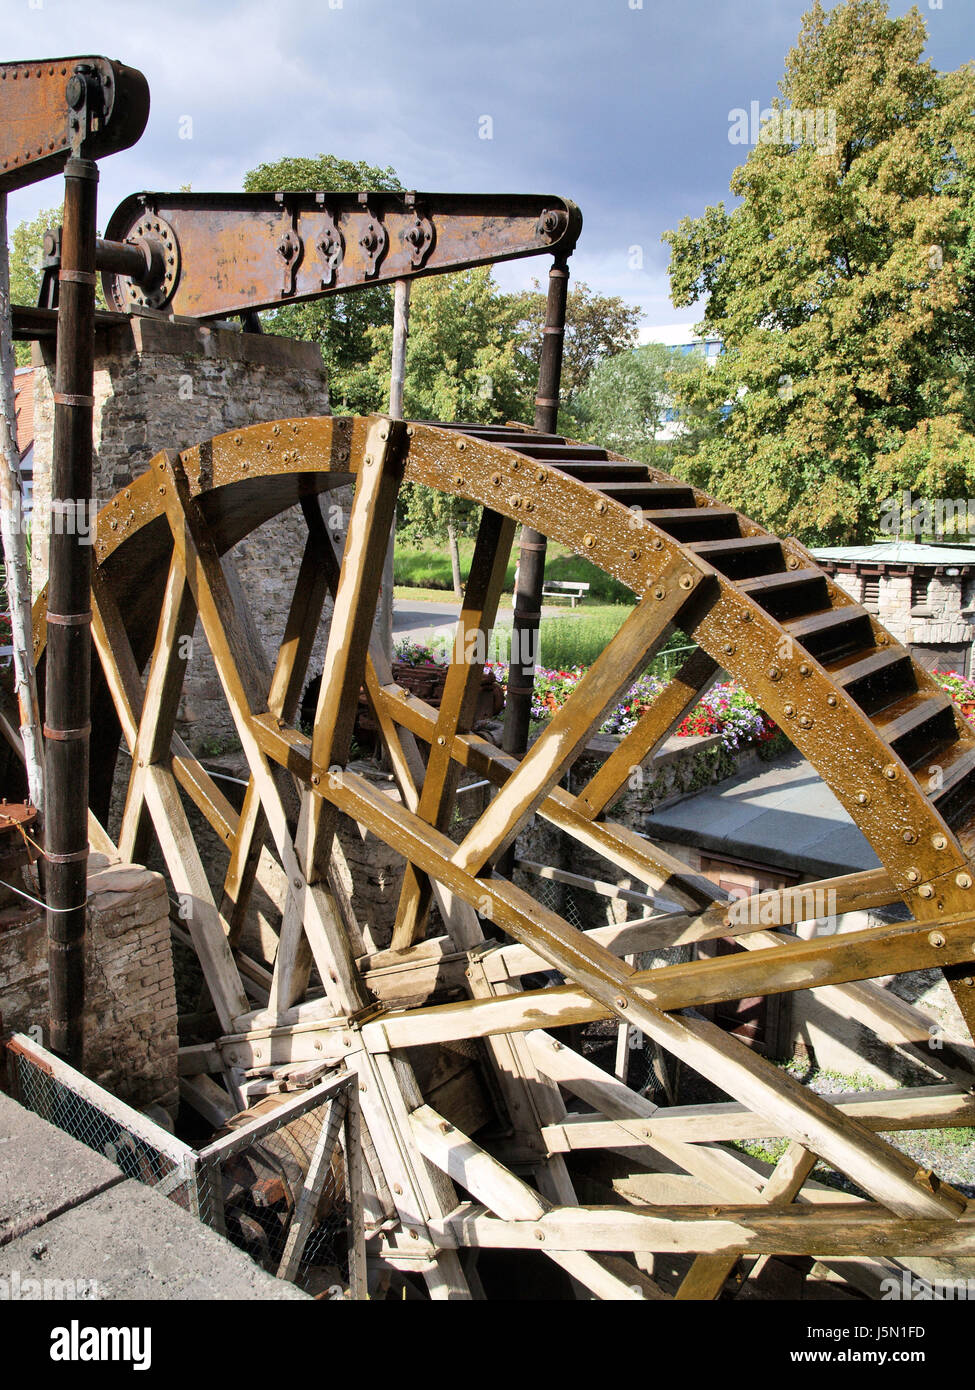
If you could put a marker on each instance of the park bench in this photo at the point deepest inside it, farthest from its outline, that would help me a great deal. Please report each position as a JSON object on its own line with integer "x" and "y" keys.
{"x": 572, "y": 589}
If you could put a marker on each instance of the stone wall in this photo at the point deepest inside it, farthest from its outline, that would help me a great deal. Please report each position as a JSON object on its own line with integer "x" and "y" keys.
{"x": 938, "y": 622}
{"x": 131, "y": 1043}
{"x": 170, "y": 385}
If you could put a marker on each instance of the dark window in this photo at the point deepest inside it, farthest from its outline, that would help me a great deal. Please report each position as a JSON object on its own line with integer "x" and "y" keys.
{"x": 871, "y": 589}
{"x": 919, "y": 590}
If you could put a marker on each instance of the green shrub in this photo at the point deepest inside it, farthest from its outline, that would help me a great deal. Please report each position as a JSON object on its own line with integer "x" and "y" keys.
{"x": 565, "y": 642}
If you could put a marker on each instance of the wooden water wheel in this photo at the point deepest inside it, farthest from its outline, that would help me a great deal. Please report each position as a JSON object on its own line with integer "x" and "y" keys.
{"x": 848, "y": 695}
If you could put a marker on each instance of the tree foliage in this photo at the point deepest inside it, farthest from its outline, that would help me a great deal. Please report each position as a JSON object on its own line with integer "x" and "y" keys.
{"x": 625, "y": 399}
{"x": 25, "y": 250}
{"x": 842, "y": 285}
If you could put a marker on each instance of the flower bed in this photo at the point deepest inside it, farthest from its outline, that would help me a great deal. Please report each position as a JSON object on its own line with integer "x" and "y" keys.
{"x": 726, "y": 710}
{"x": 961, "y": 689}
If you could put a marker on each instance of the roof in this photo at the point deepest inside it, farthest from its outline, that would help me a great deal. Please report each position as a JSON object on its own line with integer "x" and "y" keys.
{"x": 897, "y": 553}
{"x": 786, "y": 818}
{"x": 24, "y": 401}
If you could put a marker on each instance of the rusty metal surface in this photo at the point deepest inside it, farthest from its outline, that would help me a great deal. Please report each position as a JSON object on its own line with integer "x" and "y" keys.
{"x": 219, "y": 253}
{"x": 43, "y": 114}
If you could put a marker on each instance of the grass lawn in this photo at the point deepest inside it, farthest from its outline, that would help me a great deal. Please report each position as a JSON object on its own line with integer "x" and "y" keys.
{"x": 428, "y": 567}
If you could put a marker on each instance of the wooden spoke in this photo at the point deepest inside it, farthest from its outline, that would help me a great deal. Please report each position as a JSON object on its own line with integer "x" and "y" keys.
{"x": 572, "y": 725}
{"x": 458, "y": 708}
{"x": 678, "y": 696}
{"x": 158, "y": 715}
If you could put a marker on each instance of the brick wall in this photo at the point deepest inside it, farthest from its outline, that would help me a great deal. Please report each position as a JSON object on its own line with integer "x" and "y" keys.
{"x": 130, "y": 1007}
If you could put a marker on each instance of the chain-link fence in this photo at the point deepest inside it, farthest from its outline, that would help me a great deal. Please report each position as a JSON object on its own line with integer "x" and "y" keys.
{"x": 283, "y": 1182}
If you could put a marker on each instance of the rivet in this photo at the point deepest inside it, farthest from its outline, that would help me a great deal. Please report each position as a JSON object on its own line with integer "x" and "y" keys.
{"x": 890, "y": 772}
{"x": 831, "y": 701}
{"x": 368, "y": 458}
{"x": 539, "y": 1235}
{"x": 939, "y": 842}
{"x": 912, "y": 875}
{"x": 686, "y": 581}
{"x": 805, "y": 670}
{"x": 315, "y": 778}
{"x": 397, "y": 1189}
{"x": 297, "y": 882}
{"x": 729, "y": 649}
{"x": 458, "y": 480}
{"x": 515, "y": 463}
{"x": 275, "y": 429}
{"x": 963, "y": 880}
{"x": 747, "y": 616}
{"x": 774, "y": 674}
{"x": 863, "y": 798}
{"x": 461, "y": 445}
{"x": 909, "y": 837}
{"x": 792, "y": 563}
{"x": 634, "y": 554}
{"x": 162, "y": 492}
{"x": 620, "y": 1002}
{"x": 660, "y": 592}
{"x": 805, "y": 722}
{"x": 441, "y": 740}
{"x": 496, "y": 479}
{"x": 542, "y": 477}
{"x": 414, "y": 1236}
{"x": 589, "y": 541}
{"x": 925, "y": 891}
{"x": 936, "y": 938}
{"x": 790, "y": 710}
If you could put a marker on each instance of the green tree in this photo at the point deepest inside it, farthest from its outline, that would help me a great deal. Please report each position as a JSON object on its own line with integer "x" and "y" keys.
{"x": 596, "y": 326}
{"x": 461, "y": 364}
{"x": 338, "y": 323}
{"x": 624, "y": 402}
{"x": 841, "y": 285}
{"x": 25, "y": 251}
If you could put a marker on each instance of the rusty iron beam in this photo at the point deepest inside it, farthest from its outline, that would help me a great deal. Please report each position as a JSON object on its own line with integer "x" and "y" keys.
{"x": 52, "y": 108}
{"x": 209, "y": 255}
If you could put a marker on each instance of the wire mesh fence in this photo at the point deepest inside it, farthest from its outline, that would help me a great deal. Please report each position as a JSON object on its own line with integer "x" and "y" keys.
{"x": 282, "y": 1182}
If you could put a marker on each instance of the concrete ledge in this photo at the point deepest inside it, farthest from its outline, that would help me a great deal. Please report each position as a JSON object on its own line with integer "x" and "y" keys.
{"x": 43, "y": 1171}
{"x": 67, "y": 1214}
{"x": 132, "y": 1243}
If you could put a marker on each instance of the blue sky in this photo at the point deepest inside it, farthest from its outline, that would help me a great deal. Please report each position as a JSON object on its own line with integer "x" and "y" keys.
{"x": 622, "y": 106}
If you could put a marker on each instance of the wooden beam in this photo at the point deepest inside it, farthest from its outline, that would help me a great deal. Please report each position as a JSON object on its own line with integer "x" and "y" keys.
{"x": 458, "y": 709}
{"x": 652, "y": 729}
{"x": 570, "y": 728}
{"x": 491, "y": 1183}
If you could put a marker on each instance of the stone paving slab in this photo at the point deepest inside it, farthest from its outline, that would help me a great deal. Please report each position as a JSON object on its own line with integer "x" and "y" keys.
{"x": 42, "y": 1170}
{"x": 129, "y": 1242}
{"x": 785, "y": 817}
{"x": 68, "y": 1214}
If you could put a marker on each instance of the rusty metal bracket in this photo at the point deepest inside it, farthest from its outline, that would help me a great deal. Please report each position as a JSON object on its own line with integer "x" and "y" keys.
{"x": 54, "y": 109}
{"x": 373, "y": 239}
